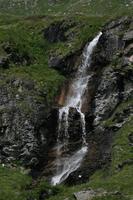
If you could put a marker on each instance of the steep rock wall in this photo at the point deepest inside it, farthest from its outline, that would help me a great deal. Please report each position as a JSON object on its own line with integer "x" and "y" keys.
{"x": 112, "y": 87}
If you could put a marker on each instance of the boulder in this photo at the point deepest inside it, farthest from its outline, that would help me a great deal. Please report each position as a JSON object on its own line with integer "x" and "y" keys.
{"x": 85, "y": 195}
{"x": 89, "y": 194}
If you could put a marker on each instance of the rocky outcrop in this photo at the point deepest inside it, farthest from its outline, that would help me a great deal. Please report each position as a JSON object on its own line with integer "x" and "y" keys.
{"x": 58, "y": 31}
{"x": 25, "y": 124}
{"x": 67, "y": 64}
{"x": 61, "y": 31}
{"x": 115, "y": 80}
{"x": 99, "y": 193}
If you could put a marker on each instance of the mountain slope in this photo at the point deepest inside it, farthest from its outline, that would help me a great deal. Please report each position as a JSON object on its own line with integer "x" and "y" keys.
{"x": 39, "y": 53}
{"x": 63, "y": 7}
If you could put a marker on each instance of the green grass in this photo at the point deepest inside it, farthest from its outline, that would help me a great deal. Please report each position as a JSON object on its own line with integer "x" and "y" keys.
{"x": 13, "y": 184}
{"x": 27, "y": 38}
{"x": 67, "y": 7}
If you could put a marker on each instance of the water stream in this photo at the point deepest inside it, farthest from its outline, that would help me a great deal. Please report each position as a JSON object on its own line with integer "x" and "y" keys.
{"x": 68, "y": 164}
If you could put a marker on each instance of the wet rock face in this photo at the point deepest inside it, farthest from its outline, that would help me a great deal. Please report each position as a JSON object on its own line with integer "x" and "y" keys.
{"x": 74, "y": 126}
{"x": 112, "y": 66}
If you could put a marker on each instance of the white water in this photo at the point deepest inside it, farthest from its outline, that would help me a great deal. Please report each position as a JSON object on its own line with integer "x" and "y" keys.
{"x": 68, "y": 168}
{"x": 74, "y": 100}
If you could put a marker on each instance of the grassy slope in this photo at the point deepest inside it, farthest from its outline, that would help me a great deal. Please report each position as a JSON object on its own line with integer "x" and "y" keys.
{"x": 26, "y": 37}
{"x": 65, "y": 7}
{"x": 12, "y": 184}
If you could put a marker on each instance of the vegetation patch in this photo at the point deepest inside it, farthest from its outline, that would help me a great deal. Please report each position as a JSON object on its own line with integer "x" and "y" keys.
{"x": 13, "y": 184}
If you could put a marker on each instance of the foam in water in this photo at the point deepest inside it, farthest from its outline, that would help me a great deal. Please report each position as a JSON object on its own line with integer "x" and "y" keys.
{"x": 74, "y": 100}
{"x": 68, "y": 168}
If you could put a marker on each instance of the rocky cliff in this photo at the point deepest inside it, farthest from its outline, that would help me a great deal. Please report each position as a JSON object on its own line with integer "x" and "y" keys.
{"x": 29, "y": 103}
{"x": 108, "y": 110}
{"x": 108, "y": 91}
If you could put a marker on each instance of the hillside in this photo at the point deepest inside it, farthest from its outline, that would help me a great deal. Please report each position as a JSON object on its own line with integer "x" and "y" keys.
{"x": 42, "y": 46}
{"x": 63, "y": 7}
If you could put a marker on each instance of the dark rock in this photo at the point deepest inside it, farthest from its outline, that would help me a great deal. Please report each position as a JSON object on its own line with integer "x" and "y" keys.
{"x": 25, "y": 124}
{"x": 56, "y": 32}
{"x": 126, "y": 162}
{"x": 121, "y": 24}
{"x": 110, "y": 93}
{"x": 130, "y": 137}
{"x": 111, "y": 87}
{"x": 15, "y": 56}
{"x": 75, "y": 128}
{"x": 111, "y": 42}
{"x": 66, "y": 65}
{"x": 4, "y": 62}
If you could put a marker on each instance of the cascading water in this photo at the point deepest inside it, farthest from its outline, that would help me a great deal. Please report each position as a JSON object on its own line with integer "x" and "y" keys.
{"x": 67, "y": 165}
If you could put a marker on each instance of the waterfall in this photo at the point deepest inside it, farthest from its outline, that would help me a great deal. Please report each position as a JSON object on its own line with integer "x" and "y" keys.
{"x": 69, "y": 164}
